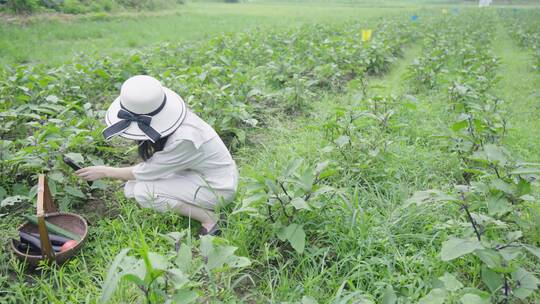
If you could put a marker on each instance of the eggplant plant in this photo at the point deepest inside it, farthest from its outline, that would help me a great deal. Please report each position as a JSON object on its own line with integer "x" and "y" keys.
{"x": 280, "y": 199}
{"x": 235, "y": 82}
{"x": 173, "y": 277}
{"x": 496, "y": 192}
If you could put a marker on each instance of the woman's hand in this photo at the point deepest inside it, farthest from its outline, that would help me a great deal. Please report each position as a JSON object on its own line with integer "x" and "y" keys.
{"x": 94, "y": 173}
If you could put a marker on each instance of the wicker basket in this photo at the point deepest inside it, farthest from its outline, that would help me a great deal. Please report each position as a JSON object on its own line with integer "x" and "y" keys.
{"x": 46, "y": 210}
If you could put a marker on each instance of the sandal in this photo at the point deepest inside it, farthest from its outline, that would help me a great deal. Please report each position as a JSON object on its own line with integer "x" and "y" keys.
{"x": 213, "y": 231}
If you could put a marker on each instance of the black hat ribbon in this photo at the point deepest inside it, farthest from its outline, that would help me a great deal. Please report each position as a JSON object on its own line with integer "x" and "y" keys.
{"x": 143, "y": 122}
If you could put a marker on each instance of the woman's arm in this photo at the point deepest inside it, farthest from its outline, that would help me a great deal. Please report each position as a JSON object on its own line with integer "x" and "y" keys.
{"x": 96, "y": 172}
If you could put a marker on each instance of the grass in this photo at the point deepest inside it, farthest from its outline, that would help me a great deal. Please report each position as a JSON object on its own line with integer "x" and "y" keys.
{"x": 366, "y": 239}
{"x": 53, "y": 39}
{"x": 519, "y": 87}
{"x": 372, "y": 239}
{"x": 56, "y": 40}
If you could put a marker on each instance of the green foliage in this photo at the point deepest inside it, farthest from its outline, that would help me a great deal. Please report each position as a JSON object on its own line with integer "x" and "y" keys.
{"x": 21, "y": 6}
{"x": 281, "y": 199}
{"x": 497, "y": 191}
{"x": 168, "y": 278}
{"x": 233, "y": 82}
{"x": 82, "y": 6}
{"x": 523, "y": 26}
{"x": 328, "y": 227}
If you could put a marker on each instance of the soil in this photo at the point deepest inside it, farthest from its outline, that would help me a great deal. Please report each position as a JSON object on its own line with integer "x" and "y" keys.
{"x": 96, "y": 209}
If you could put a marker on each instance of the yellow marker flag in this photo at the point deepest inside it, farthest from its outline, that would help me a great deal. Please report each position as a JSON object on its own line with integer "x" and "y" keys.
{"x": 366, "y": 35}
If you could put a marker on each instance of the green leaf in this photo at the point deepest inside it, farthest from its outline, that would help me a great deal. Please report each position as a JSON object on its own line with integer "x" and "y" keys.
{"x": 459, "y": 125}
{"x": 3, "y": 192}
{"x": 307, "y": 179}
{"x": 133, "y": 270}
{"x": 389, "y": 296}
{"x": 510, "y": 253}
{"x": 499, "y": 184}
{"x": 271, "y": 185}
{"x": 111, "y": 281}
{"x": 206, "y": 245}
{"x": 455, "y": 247}
{"x": 98, "y": 184}
{"x": 525, "y": 171}
{"x": 450, "y": 282}
{"x": 526, "y": 283}
{"x": 184, "y": 296}
{"x": 495, "y": 154}
{"x": 490, "y": 257}
{"x": 157, "y": 261}
{"x": 74, "y": 191}
{"x": 178, "y": 277}
{"x": 133, "y": 277}
{"x": 218, "y": 255}
{"x": 12, "y": 200}
{"x": 255, "y": 198}
{"x": 299, "y": 203}
{"x": 56, "y": 176}
{"x": 184, "y": 257}
{"x": 532, "y": 249}
{"x": 296, "y": 236}
{"x": 308, "y": 300}
{"x": 493, "y": 280}
{"x": 471, "y": 298}
{"x": 435, "y": 296}
{"x": 342, "y": 140}
{"x": 292, "y": 167}
{"x": 52, "y": 98}
{"x": 513, "y": 236}
{"x": 76, "y": 157}
{"x": 239, "y": 262}
{"x": 498, "y": 205}
{"x": 523, "y": 187}
{"x": 430, "y": 196}
{"x": 321, "y": 166}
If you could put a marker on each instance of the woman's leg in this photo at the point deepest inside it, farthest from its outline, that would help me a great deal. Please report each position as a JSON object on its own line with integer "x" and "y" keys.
{"x": 207, "y": 218}
{"x": 180, "y": 193}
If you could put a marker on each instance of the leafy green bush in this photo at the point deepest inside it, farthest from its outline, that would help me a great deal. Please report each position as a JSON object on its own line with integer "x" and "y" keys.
{"x": 496, "y": 191}
{"x": 82, "y": 6}
{"x": 73, "y": 7}
{"x": 21, "y": 6}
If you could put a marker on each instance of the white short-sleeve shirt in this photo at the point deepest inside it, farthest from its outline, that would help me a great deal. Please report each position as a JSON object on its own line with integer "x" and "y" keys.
{"x": 195, "y": 147}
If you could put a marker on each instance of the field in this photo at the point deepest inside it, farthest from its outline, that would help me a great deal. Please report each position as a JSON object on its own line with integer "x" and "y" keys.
{"x": 399, "y": 166}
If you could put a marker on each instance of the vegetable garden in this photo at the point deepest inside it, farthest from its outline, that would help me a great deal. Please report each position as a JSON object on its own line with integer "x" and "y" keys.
{"x": 354, "y": 189}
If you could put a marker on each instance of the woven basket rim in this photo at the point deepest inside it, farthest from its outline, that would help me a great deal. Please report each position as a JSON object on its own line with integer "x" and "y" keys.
{"x": 51, "y": 214}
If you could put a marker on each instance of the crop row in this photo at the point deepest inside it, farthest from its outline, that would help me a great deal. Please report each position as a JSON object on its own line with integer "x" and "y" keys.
{"x": 496, "y": 191}
{"x": 232, "y": 81}
{"x": 524, "y": 28}
{"x": 280, "y": 203}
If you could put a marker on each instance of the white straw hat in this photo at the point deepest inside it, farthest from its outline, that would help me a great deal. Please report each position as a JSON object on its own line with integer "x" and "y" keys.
{"x": 145, "y": 110}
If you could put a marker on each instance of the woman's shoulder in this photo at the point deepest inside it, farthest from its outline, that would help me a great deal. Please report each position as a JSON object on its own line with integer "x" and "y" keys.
{"x": 194, "y": 129}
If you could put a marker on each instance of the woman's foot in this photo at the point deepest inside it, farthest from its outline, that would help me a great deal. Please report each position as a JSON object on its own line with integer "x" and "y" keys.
{"x": 210, "y": 228}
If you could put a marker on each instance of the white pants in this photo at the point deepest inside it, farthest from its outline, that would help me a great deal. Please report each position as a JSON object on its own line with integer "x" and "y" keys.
{"x": 186, "y": 187}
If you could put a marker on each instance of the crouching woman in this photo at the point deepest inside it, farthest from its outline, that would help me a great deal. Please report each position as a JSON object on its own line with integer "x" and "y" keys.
{"x": 186, "y": 168}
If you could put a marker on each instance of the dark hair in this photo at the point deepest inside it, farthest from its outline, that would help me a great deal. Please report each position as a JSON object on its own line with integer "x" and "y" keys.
{"x": 148, "y": 148}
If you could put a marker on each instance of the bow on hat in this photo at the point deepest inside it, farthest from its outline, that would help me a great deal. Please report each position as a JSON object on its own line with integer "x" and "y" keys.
{"x": 143, "y": 122}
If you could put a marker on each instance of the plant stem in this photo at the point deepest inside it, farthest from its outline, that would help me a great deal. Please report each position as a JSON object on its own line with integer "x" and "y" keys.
{"x": 506, "y": 289}
{"x": 496, "y": 171}
{"x": 270, "y": 213}
{"x": 284, "y": 190}
{"x": 282, "y": 205}
{"x": 473, "y": 222}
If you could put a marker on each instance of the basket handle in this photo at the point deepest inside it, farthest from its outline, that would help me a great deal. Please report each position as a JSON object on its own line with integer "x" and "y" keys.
{"x": 45, "y": 204}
